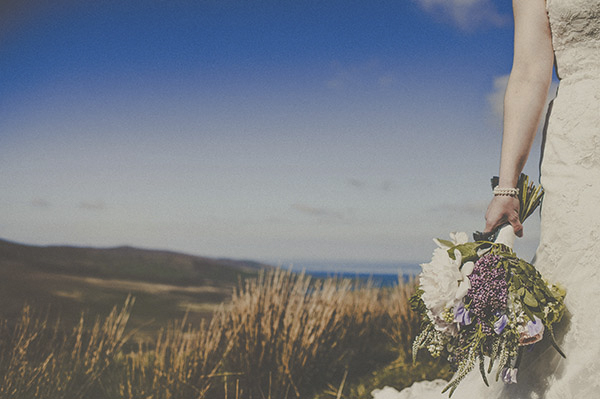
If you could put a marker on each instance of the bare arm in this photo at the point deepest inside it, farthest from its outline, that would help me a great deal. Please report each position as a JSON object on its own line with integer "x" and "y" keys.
{"x": 524, "y": 103}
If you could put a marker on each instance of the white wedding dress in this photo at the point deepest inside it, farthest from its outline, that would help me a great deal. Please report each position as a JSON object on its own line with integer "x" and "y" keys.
{"x": 569, "y": 250}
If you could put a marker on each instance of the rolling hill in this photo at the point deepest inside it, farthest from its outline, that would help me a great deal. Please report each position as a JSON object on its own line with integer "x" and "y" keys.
{"x": 66, "y": 281}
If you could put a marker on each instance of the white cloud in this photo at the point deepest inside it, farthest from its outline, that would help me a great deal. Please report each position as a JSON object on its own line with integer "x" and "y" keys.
{"x": 40, "y": 203}
{"x": 496, "y": 97}
{"x": 466, "y": 14}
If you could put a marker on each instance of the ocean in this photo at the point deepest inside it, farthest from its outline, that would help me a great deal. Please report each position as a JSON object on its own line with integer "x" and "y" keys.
{"x": 381, "y": 274}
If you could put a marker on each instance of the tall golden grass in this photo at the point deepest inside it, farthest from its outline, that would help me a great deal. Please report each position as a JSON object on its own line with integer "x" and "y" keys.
{"x": 41, "y": 360}
{"x": 295, "y": 334}
{"x": 183, "y": 363}
{"x": 283, "y": 335}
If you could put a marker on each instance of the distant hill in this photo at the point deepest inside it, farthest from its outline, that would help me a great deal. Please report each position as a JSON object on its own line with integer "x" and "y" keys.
{"x": 125, "y": 263}
{"x": 68, "y": 280}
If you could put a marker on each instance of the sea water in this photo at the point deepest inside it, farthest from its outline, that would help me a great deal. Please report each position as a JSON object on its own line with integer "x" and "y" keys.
{"x": 381, "y": 274}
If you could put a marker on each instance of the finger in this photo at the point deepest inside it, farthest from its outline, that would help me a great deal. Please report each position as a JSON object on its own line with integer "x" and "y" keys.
{"x": 518, "y": 230}
{"x": 492, "y": 223}
{"x": 517, "y": 226}
{"x": 489, "y": 226}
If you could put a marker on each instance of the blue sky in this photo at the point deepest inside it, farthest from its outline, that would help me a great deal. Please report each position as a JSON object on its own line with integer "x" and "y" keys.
{"x": 270, "y": 130}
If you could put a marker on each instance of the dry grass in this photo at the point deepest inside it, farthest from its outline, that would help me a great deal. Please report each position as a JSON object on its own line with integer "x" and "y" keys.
{"x": 405, "y": 322}
{"x": 183, "y": 363}
{"x": 39, "y": 360}
{"x": 283, "y": 335}
{"x": 295, "y": 335}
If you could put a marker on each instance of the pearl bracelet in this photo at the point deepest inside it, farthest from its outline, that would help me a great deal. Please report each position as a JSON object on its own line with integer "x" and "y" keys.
{"x": 506, "y": 191}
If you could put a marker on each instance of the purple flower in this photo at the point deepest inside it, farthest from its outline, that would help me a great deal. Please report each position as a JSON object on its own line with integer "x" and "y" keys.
{"x": 509, "y": 375}
{"x": 500, "y": 324}
{"x": 489, "y": 291}
{"x": 535, "y": 326}
{"x": 462, "y": 315}
{"x": 534, "y": 332}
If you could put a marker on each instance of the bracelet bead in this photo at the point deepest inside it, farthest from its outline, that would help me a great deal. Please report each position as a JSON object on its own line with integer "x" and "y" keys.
{"x": 506, "y": 191}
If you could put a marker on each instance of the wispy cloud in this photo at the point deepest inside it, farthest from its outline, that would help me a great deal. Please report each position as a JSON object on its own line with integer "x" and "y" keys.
{"x": 466, "y": 14}
{"x": 385, "y": 185}
{"x": 357, "y": 183}
{"x": 495, "y": 98}
{"x": 40, "y": 203}
{"x": 92, "y": 205}
{"x": 316, "y": 211}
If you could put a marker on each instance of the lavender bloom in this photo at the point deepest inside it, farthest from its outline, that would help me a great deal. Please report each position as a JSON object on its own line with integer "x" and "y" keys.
{"x": 500, "y": 324}
{"x": 489, "y": 290}
{"x": 462, "y": 316}
{"x": 509, "y": 375}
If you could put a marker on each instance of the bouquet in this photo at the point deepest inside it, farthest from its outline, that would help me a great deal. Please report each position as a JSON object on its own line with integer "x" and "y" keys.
{"x": 479, "y": 301}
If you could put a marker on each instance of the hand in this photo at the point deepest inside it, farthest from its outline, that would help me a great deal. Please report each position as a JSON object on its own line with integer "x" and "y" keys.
{"x": 503, "y": 209}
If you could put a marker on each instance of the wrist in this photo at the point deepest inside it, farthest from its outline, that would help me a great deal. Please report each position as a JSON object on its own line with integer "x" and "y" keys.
{"x": 500, "y": 191}
{"x": 508, "y": 177}
{"x": 503, "y": 189}
{"x": 508, "y": 181}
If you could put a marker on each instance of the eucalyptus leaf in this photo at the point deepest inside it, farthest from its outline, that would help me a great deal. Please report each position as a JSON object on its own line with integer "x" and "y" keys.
{"x": 530, "y": 300}
{"x": 516, "y": 283}
{"x": 528, "y": 312}
{"x": 468, "y": 251}
{"x": 446, "y": 243}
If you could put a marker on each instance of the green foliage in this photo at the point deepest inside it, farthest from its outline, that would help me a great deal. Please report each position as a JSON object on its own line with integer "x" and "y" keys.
{"x": 468, "y": 251}
{"x": 546, "y": 301}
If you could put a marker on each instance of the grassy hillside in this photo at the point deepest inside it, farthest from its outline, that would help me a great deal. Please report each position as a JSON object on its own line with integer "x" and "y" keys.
{"x": 282, "y": 335}
{"x": 70, "y": 280}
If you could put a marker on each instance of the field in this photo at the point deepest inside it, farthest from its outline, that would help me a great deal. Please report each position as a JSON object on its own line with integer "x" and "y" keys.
{"x": 66, "y": 281}
{"x": 276, "y": 335}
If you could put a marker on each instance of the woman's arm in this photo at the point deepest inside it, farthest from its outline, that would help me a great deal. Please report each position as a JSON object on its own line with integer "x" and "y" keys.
{"x": 524, "y": 103}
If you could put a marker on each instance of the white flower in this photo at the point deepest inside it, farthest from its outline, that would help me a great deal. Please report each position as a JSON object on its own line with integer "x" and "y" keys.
{"x": 441, "y": 324}
{"x": 439, "y": 280}
{"x": 464, "y": 284}
{"x": 457, "y": 238}
{"x": 445, "y": 283}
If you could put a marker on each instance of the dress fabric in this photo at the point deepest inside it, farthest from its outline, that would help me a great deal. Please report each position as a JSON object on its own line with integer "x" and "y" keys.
{"x": 569, "y": 250}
